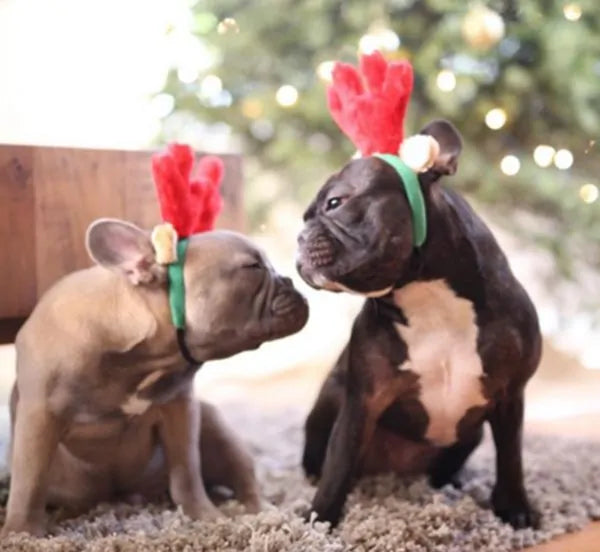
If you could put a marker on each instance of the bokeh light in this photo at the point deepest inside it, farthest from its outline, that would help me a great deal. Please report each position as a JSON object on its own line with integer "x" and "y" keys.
{"x": 589, "y": 193}
{"x": 325, "y": 70}
{"x": 188, "y": 73}
{"x": 543, "y": 155}
{"x": 252, "y": 108}
{"x": 510, "y": 165}
{"x": 563, "y": 159}
{"x": 211, "y": 86}
{"x": 228, "y": 25}
{"x": 572, "y": 11}
{"x": 446, "y": 80}
{"x": 379, "y": 39}
{"x": 286, "y": 95}
{"x": 495, "y": 118}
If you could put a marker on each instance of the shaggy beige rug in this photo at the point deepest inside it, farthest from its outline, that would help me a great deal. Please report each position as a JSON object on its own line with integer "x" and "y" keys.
{"x": 383, "y": 513}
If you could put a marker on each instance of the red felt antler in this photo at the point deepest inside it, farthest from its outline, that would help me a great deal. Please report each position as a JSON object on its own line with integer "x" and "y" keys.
{"x": 190, "y": 205}
{"x": 370, "y": 106}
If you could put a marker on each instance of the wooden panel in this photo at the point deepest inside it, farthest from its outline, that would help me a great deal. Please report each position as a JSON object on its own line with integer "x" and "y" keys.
{"x": 141, "y": 205}
{"x": 74, "y": 187}
{"x": 49, "y": 196}
{"x": 17, "y": 253}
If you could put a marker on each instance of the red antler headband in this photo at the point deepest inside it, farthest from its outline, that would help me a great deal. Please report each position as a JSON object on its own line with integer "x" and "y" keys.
{"x": 188, "y": 206}
{"x": 369, "y": 107}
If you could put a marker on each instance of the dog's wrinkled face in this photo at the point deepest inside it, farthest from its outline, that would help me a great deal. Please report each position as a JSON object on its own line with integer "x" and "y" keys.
{"x": 234, "y": 299}
{"x": 358, "y": 231}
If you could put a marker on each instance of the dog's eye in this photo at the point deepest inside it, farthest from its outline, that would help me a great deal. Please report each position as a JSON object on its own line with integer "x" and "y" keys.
{"x": 255, "y": 265}
{"x": 333, "y": 203}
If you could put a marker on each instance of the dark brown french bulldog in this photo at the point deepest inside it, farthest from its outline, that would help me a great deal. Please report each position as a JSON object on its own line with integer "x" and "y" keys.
{"x": 103, "y": 408}
{"x": 446, "y": 340}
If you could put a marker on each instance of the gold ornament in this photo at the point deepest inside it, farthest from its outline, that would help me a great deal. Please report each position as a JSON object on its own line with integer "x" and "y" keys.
{"x": 164, "y": 241}
{"x": 482, "y": 27}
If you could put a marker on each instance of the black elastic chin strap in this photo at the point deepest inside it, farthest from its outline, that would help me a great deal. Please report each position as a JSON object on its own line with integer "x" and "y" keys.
{"x": 185, "y": 352}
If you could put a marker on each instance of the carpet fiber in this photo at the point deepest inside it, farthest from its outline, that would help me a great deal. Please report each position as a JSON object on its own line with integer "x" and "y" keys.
{"x": 383, "y": 514}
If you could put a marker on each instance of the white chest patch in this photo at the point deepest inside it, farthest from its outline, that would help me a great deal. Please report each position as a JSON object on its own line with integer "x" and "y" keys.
{"x": 134, "y": 406}
{"x": 442, "y": 350}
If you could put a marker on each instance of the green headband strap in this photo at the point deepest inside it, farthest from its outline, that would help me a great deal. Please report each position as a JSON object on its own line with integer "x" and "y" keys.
{"x": 414, "y": 194}
{"x": 176, "y": 286}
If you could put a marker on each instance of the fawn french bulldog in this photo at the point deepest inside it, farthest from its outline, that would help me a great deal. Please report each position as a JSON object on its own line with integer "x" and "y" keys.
{"x": 103, "y": 409}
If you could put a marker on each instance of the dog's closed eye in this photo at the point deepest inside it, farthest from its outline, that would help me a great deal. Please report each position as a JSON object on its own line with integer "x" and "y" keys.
{"x": 255, "y": 264}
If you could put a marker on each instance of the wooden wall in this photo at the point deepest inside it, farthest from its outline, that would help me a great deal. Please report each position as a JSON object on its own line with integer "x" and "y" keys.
{"x": 49, "y": 196}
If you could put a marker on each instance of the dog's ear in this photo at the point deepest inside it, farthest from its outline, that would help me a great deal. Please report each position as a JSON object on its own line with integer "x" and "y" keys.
{"x": 123, "y": 247}
{"x": 450, "y": 144}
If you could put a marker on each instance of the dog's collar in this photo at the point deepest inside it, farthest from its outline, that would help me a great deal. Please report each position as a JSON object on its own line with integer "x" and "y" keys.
{"x": 414, "y": 194}
{"x": 185, "y": 352}
{"x": 177, "y": 301}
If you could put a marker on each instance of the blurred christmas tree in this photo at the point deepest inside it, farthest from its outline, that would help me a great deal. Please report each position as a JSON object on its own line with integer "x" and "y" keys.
{"x": 519, "y": 78}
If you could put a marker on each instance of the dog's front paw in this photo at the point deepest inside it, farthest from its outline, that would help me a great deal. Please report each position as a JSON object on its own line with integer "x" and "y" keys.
{"x": 439, "y": 480}
{"x": 308, "y": 515}
{"x": 254, "y": 504}
{"x": 330, "y": 515}
{"x": 205, "y": 511}
{"x": 515, "y": 510}
{"x": 36, "y": 529}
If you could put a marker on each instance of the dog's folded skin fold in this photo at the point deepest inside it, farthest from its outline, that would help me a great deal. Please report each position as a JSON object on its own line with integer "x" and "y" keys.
{"x": 103, "y": 408}
{"x": 451, "y": 345}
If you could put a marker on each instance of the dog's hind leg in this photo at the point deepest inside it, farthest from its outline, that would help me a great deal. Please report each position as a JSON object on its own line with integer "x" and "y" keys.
{"x": 225, "y": 459}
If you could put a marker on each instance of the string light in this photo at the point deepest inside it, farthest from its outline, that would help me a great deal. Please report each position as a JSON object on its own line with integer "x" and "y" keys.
{"x": 446, "y": 80}
{"x": 388, "y": 40}
{"x": 325, "y": 70}
{"x": 510, "y": 165}
{"x": 228, "y": 25}
{"x": 379, "y": 39}
{"x": 543, "y": 155}
{"x": 589, "y": 193}
{"x": 495, "y": 118}
{"x": 572, "y": 11}
{"x": 188, "y": 74}
{"x": 262, "y": 129}
{"x": 368, "y": 44}
{"x": 210, "y": 86}
{"x": 287, "y": 95}
{"x": 252, "y": 108}
{"x": 482, "y": 27}
{"x": 563, "y": 159}
{"x": 590, "y": 145}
